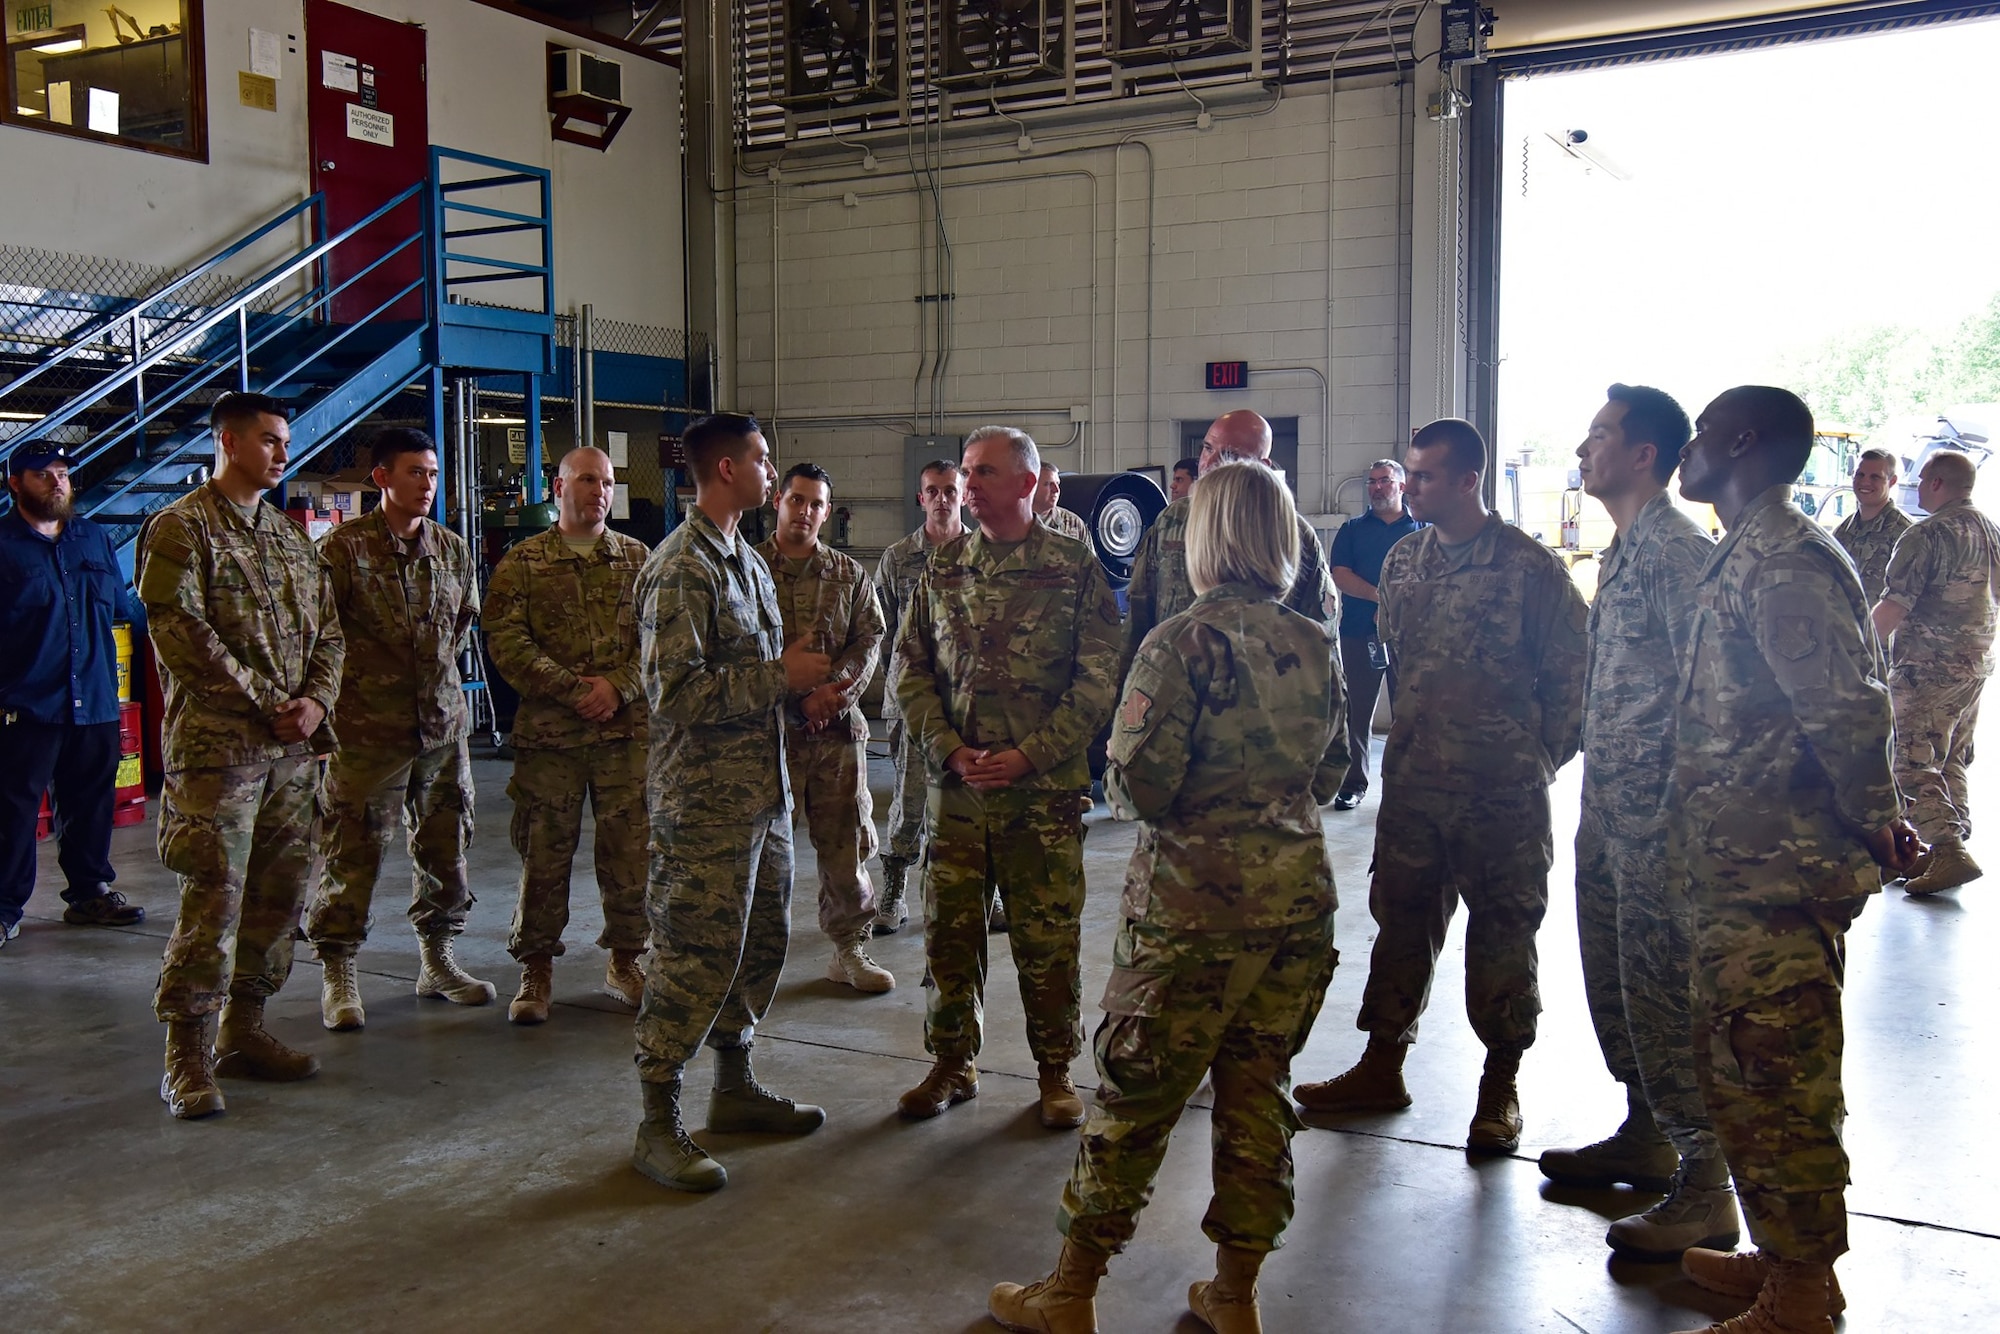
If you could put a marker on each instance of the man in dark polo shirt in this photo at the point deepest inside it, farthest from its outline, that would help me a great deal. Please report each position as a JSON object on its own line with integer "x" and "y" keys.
{"x": 60, "y": 591}
{"x": 1355, "y": 562}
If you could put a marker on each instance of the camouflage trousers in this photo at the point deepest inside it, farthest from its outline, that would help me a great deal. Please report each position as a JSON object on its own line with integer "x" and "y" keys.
{"x": 1935, "y": 717}
{"x": 1233, "y": 1005}
{"x": 1635, "y": 927}
{"x": 1493, "y": 849}
{"x": 907, "y": 802}
{"x": 240, "y": 840}
{"x": 364, "y": 791}
{"x": 548, "y": 789}
{"x": 720, "y": 901}
{"x": 1768, "y": 1040}
{"x": 1029, "y": 846}
{"x": 829, "y": 777}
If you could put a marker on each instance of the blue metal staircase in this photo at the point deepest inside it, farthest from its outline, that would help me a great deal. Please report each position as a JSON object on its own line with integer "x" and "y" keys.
{"x": 154, "y": 365}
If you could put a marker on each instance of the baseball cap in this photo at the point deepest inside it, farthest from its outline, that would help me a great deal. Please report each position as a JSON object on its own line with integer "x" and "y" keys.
{"x": 33, "y": 454}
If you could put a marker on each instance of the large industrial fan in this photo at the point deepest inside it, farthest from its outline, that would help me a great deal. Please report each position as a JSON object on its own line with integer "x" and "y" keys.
{"x": 996, "y": 41}
{"x": 1117, "y": 508}
{"x": 839, "y": 50}
{"x": 1146, "y": 30}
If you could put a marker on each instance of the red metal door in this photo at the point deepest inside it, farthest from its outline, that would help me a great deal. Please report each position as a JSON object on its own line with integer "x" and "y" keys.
{"x": 370, "y": 133}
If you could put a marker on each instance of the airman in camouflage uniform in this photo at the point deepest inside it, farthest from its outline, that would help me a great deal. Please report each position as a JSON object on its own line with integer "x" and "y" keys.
{"x": 1052, "y": 515}
{"x": 1010, "y": 655}
{"x": 1486, "y": 632}
{"x": 1939, "y": 603}
{"x": 1784, "y": 802}
{"x": 1869, "y": 535}
{"x": 407, "y": 602}
{"x": 895, "y": 582}
{"x": 243, "y": 621}
{"x": 719, "y": 886}
{"x": 1633, "y": 918}
{"x": 825, "y": 598}
{"x": 561, "y": 620}
{"x": 1231, "y": 731}
{"x": 1160, "y": 587}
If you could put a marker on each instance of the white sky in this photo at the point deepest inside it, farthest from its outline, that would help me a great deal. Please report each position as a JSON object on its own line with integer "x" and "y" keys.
{"x": 1776, "y": 198}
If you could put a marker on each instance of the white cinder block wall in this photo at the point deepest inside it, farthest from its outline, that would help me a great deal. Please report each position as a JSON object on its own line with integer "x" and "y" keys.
{"x": 1050, "y": 292}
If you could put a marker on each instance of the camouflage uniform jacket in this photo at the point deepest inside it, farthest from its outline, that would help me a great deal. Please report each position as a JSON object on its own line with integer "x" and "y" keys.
{"x": 1490, "y": 659}
{"x": 1782, "y": 750}
{"x": 1869, "y": 542}
{"x": 1640, "y": 622}
{"x": 1232, "y": 731}
{"x": 832, "y": 601}
{"x": 1160, "y": 586}
{"x": 1067, "y": 522}
{"x": 1008, "y": 647}
{"x": 405, "y": 607}
{"x": 896, "y": 581}
{"x": 242, "y": 617}
{"x": 710, "y": 639}
{"x": 1946, "y": 575}
{"x": 553, "y": 617}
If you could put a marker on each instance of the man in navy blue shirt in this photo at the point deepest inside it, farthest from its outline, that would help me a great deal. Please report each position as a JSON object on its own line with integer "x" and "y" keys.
{"x": 60, "y": 591}
{"x": 1355, "y": 561}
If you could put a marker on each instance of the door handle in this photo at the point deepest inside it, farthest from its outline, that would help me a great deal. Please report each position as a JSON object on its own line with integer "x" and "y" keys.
{"x": 326, "y": 164}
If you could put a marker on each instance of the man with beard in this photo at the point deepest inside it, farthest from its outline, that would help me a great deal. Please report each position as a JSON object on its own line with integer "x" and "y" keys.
{"x": 60, "y": 590}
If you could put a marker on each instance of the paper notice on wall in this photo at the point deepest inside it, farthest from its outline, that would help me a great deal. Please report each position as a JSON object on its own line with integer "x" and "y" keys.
{"x": 103, "y": 111}
{"x": 256, "y": 90}
{"x": 371, "y": 126}
{"x": 59, "y": 103}
{"x": 621, "y": 503}
{"x": 616, "y": 446}
{"x": 339, "y": 72}
{"x": 266, "y": 54}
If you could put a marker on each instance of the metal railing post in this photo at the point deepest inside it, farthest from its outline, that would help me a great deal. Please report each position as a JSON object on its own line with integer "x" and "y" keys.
{"x": 586, "y": 387}
{"x": 242, "y": 349}
{"x": 138, "y": 375}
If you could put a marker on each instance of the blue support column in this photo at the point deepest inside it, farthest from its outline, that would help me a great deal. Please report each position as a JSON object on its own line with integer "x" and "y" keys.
{"x": 532, "y": 410}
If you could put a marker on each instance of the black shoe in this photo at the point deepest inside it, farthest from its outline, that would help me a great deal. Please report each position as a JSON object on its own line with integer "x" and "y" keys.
{"x": 106, "y": 909}
{"x": 1346, "y": 801}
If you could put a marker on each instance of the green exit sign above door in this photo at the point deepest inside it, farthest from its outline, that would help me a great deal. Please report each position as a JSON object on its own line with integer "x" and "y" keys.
{"x": 35, "y": 18}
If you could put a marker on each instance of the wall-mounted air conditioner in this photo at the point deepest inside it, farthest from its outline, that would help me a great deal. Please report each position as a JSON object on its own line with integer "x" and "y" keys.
{"x": 574, "y": 73}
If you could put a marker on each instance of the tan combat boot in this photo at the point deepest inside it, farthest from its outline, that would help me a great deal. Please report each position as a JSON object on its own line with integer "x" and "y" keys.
{"x": 1375, "y": 1084}
{"x": 852, "y": 966}
{"x": 739, "y": 1105}
{"x": 1636, "y": 1154}
{"x": 1496, "y": 1117}
{"x": 1742, "y": 1274}
{"x": 243, "y": 1050}
{"x": 952, "y": 1080}
{"x": 1948, "y": 867}
{"x": 1063, "y": 1303}
{"x": 664, "y": 1153}
{"x": 624, "y": 979}
{"x": 1061, "y": 1108}
{"x": 531, "y": 1003}
{"x": 892, "y": 911}
{"x": 1228, "y": 1303}
{"x": 339, "y": 996}
{"x": 441, "y": 977}
{"x": 188, "y": 1086}
{"x": 1797, "y": 1298}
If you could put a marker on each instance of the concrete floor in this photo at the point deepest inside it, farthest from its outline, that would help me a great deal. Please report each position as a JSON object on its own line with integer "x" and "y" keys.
{"x": 447, "y": 1168}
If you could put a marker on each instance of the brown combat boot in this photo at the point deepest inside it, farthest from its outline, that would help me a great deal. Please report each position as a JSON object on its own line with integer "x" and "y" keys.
{"x": 1496, "y": 1117}
{"x": 531, "y": 1002}
{"x": 1375, "y": 1084}
{"x": 1228, "y": 1303}
{"x": 188, "y": 1086}
{"x": 243, "y": 1050}
{"x": 1061, "y": 1108}
{"x": 952, "y": 1080}
{"x": 1948, "y": 866}
{"x": 1742, "y": 1274}
{"x": 624, "y": 979}
{"x": 1063, "y": 1303}
{"x": 1797, "y": 1298}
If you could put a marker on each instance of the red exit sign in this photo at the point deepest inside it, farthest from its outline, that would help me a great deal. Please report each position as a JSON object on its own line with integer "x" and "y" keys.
{"x": 1228, "y": 375}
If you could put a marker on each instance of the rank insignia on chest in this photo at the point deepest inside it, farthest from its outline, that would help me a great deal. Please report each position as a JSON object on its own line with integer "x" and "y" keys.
{"x": 1792, "y": 637}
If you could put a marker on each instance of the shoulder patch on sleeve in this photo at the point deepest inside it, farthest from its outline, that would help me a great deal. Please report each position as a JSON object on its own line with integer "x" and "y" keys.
{"x": 1138, "y": 704}
{"x": 1794, "y": 637}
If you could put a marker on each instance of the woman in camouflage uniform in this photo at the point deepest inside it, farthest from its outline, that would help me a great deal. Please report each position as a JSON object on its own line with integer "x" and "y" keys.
{"x": 1230, "y": 735}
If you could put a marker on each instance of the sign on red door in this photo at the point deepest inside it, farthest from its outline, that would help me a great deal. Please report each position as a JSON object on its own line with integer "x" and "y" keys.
{"x": 369, "y": 124}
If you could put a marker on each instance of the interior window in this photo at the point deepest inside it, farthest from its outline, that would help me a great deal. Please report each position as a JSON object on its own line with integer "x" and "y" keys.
{"x": 128, "y": 73}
